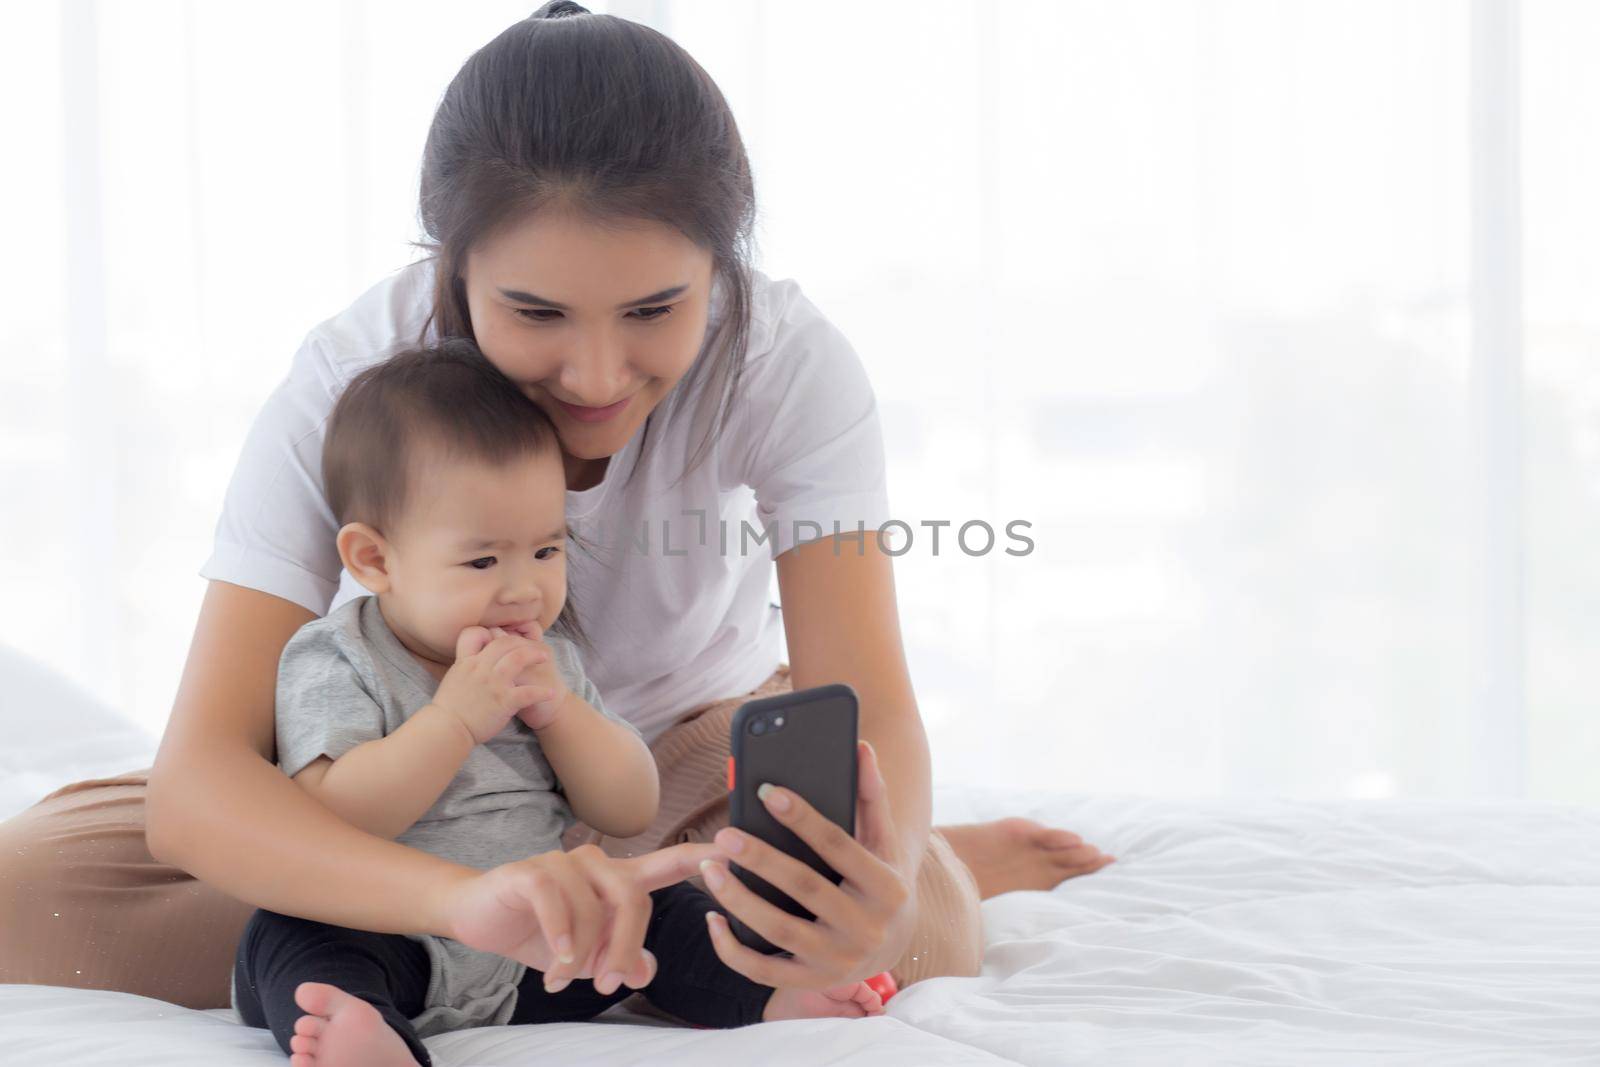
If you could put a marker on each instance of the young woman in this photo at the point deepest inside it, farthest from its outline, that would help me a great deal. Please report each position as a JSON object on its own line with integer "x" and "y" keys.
{"x": 588, "y": 203}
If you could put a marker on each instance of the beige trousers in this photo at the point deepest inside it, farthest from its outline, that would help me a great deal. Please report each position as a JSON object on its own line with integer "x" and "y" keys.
{"x": 83, "y": 903}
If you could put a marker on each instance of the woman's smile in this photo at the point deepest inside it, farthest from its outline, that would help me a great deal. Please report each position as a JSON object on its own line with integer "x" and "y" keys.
{"x": 587, "y": 414}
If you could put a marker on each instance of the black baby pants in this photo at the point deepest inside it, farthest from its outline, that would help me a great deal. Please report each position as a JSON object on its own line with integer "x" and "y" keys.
{"x": 390, "y": 972}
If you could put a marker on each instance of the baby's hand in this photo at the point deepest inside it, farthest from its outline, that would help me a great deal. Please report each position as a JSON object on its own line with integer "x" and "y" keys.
{"x": 541, "y": 674}
{"x": 485, "y": 686}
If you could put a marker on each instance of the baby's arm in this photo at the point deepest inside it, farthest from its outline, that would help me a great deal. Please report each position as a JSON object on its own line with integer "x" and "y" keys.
{"x": 385, "y": 785}
{"x": 605, "y": 769}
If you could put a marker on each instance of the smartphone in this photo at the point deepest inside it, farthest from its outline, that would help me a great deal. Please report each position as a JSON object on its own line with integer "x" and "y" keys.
{"x": 805, "y": 742}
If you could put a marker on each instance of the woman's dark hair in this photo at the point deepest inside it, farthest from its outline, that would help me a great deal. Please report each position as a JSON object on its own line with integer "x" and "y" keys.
{"x": 608, "y": 118}
{"x": 445, "y": 401}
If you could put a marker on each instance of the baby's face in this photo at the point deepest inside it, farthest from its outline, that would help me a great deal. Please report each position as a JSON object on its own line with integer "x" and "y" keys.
{"x": 478, "y": 546}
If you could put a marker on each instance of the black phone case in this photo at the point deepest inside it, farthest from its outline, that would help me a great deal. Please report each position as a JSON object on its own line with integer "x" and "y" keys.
{"x": 814, "y": 754}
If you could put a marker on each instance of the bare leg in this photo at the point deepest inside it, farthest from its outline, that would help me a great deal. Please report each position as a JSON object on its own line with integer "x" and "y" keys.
{"x": 1017, "y": 853}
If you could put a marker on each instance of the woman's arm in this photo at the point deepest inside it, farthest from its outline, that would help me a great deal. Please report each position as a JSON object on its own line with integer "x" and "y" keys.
{"x": 385, "y": 785}
{"x": 220, "y": 809}
{"x": 606, "y": 771}
{"x": 842, "y": 624}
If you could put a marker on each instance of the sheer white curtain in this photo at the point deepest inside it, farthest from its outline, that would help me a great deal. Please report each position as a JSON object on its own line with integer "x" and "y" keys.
{"x": 1275, "y": 320}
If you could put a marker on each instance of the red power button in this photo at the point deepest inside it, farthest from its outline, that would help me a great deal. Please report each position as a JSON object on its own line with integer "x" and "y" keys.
{"x": 730, "y": 774}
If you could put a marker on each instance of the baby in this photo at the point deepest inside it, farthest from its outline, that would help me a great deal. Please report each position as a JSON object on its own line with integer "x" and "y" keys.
{"x": 450, "y": 712}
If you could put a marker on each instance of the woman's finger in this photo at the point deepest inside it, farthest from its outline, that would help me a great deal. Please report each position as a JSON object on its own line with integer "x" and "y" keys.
{"x": 543, "y": 896}
{"x": 832, "y": 906}
{"x": 760, "y": 968}
{"x": 874, "y": 820}
{"x": 668, "y": 866}
{"x": 629, "y": 908}
{"x": 806, "y": 940}
{"x": 643, "y": 973}
{"x": 586, "y": 922}
{"x": 870, "y": 875}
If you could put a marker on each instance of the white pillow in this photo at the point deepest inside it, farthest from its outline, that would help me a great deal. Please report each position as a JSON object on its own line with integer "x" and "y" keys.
{"x": 53, "y": 732}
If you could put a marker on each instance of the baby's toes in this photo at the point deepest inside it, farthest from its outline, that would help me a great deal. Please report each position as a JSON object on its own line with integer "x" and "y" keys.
{"x": 316, "y": 997}
{"x": 838, "y": 1007}
{"x": 310, "y": 1025}
{"x": 869, "y": 1000}
{"x": 306, "y": 1046}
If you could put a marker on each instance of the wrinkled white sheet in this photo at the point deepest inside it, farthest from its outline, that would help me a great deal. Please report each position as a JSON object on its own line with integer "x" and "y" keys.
{"x": 1230, "y": 932}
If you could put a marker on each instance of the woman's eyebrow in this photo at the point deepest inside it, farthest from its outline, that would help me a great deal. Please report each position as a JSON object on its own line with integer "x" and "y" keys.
{"x": 528, "y": 298}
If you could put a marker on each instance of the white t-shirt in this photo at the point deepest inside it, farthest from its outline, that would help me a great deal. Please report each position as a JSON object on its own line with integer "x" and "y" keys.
{"x": 670, "y": 631}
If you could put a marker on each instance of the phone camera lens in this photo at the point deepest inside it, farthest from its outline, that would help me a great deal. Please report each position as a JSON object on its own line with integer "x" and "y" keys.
{"x": 758, "y": 727}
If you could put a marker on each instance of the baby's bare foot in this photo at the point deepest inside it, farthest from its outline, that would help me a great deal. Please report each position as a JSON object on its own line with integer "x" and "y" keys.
{"x": 343, "y": 1031}
{"x": 1017, "y": 853}
{"x": 850, "y": 1001}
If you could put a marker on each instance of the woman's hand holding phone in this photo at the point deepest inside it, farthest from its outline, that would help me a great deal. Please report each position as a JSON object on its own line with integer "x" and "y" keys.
{"x": 862, "y": 924}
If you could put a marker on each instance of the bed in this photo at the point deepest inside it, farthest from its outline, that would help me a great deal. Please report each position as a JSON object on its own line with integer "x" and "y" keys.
{"x": 1236, "y": 932}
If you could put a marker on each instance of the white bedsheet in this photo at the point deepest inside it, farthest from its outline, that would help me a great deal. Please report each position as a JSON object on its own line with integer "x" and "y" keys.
{"x": 1239, "y": 932}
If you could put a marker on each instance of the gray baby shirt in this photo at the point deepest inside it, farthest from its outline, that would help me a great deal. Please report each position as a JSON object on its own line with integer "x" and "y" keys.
{"x": 346, "y": 679}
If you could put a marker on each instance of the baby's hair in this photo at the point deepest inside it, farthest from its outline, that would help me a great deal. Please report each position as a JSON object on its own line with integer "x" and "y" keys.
{"x": 440, "y": 401}
{"x": 446, "y": 400}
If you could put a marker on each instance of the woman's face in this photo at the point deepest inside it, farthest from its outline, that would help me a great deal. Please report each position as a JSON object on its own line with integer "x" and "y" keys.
{"x": 595, "y": 322}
